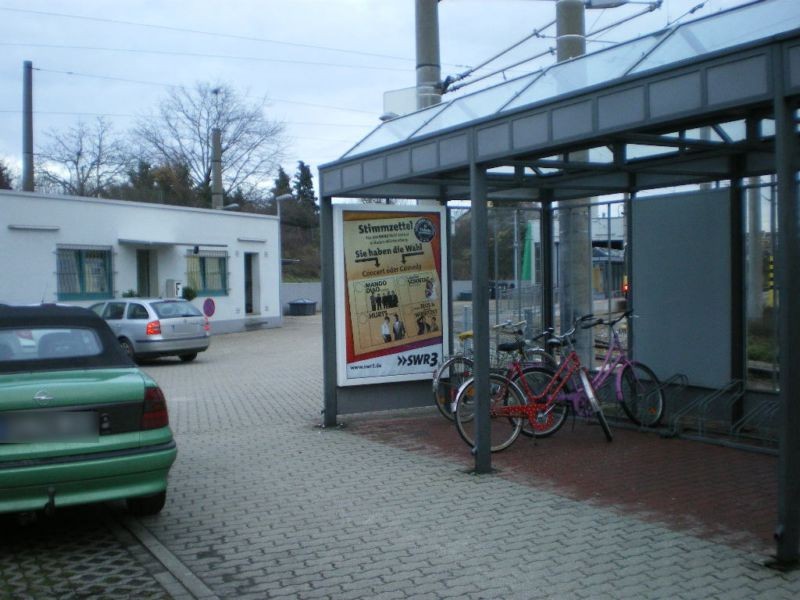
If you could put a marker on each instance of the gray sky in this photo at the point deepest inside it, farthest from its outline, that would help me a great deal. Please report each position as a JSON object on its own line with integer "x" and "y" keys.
{"x": 324, "y": 64}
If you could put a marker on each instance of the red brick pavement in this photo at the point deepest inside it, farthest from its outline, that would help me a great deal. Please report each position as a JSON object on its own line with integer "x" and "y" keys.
{"x": 708, "y": 490}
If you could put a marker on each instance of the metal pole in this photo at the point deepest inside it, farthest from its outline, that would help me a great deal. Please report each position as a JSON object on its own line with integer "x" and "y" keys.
{"x": 330, "y": 408}
{"x": 496, "y": 270}
{"x": 216, "y": 168}
{"x": 517, "y": 287}
{"x": 27, "y": 126}
{"x": 480, "y": 317}
{"x": 546, "y": 245}
{"x": 429, "y": 70}
{"x": 787, "y": 532}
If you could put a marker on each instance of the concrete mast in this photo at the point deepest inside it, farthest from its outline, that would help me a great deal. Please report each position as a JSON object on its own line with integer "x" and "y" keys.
{"x": 27, "y": 126}
{"x": 429, "y": 68}
{"x": 574, "y": 223}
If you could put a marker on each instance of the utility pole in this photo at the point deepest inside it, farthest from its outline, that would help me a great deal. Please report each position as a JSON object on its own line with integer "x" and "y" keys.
{"x": 216, "y": 168}
{"x": 27, "y": 126}
{"x": 429, "y": 68}
{"x": 574, "y": 223}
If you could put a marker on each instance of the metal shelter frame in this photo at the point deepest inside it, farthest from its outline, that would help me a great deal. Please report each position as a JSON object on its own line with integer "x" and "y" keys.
{"x": 640, "y": 128}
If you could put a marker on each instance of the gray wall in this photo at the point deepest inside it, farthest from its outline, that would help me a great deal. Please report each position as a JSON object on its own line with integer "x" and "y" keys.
{"x": 311, "y": 290}
{"x": 681, "y": 284}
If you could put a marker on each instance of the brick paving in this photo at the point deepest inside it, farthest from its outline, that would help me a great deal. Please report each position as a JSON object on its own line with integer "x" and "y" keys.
{"x": 79, "y": 553}
{"x": 705, "y": 489}
{"x": 264, "y": 504}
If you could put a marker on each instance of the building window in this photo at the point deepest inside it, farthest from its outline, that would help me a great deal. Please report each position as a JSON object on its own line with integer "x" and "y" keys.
{"x": 207, "y": 273}
{"x": 84, "y": 273}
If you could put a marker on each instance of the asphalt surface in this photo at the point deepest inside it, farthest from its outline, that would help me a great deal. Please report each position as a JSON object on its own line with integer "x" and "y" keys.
{"x": 265, "y": 504}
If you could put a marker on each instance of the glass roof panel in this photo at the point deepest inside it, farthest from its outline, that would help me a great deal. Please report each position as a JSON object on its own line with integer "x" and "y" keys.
{"x": 724, "y": 30}
{"x": 477, "y": 105}
{"x": 590, "y": 69}
{"x": 395, "y": 130}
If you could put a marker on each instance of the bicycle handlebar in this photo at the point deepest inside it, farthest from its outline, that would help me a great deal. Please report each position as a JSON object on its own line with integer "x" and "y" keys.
{"x": 509, "y": 326}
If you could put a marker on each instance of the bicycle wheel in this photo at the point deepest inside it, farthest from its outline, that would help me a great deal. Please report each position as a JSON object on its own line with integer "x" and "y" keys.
{"x": 446, "y": 382}
{"x": 552, "y": 415}
{"x": 541, "y": 358}
{"x": 598, "y": 411}
{"x": 641, "y": 396}
{"x": 502, "y": 430}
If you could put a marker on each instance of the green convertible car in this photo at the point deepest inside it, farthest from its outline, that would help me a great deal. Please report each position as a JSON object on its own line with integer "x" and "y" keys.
{"x": 79, "y": 422}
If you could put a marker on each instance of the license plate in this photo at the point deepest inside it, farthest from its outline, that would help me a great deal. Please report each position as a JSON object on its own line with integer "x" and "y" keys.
{"x": 48, "y": 426}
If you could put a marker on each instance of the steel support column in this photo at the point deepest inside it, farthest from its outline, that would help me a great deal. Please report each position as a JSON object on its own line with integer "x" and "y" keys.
{"x": 546, "y": 245}
{"x": 787, "y": 533}
{"x": 480, "y": 316}
{"x": 330, "y": 408}
{"x": 448, "y": 274}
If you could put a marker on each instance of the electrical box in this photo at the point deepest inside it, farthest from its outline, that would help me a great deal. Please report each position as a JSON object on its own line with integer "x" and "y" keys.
{"x": 174, "y": 289}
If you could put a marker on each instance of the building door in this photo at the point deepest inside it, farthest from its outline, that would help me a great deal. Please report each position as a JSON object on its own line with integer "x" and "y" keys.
{"x": 143, "y": 273}
{"x": 251, "y": 288}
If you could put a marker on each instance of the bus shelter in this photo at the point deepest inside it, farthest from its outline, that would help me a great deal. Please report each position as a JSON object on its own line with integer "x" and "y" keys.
{"x": 712, "y": 100}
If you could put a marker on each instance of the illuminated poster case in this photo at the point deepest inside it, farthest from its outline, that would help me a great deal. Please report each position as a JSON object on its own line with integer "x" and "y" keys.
{"x": 390, "y": 298}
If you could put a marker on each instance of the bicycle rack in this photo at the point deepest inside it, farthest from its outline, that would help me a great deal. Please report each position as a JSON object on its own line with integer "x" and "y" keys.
{"x": 672, "y": 388}
{"x": 760, "y": 418}
{"x": 699, "y": 408}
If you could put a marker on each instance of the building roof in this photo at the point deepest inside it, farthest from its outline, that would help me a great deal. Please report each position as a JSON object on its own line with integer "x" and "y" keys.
{"x": 672, "y": 78}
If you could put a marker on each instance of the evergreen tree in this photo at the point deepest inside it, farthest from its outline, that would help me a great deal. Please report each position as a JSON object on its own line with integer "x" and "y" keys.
{"x": 5, "y": 177}
{"x": 303, "y": 187}
{"x": 282, "y": 185}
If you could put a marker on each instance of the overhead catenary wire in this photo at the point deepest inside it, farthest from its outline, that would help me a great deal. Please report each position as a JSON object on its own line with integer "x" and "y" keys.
{"x": 535, "y": 33}
{"x": 448, "y": 87}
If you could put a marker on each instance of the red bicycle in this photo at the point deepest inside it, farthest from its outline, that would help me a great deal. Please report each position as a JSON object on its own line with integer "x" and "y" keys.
{"x": 520, "y": 399}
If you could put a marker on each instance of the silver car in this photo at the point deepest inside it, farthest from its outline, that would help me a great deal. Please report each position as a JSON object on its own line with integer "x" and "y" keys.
{"x": 154, "y": 327}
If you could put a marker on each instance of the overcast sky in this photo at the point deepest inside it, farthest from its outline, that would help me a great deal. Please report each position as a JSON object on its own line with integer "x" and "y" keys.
{"x": 324, "y": 64}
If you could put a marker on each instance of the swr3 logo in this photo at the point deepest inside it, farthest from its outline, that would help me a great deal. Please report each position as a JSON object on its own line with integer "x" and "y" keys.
{"x": 429, "y": 358}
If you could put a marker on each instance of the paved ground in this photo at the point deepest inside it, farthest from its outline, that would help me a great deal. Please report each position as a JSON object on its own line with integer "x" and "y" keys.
{"x": 263, "y": 504}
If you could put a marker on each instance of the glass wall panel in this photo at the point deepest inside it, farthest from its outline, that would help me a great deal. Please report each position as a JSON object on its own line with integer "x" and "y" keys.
{"x": 762, "y": 299}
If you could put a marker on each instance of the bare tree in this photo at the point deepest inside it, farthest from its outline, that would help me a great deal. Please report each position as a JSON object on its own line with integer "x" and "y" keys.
{"x": 181, "y": 133}
{"x": 84, "y": 160}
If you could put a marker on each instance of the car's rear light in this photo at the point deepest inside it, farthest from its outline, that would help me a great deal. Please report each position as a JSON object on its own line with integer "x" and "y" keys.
{"x": 155, "y": 413}
{"x": 153, "y": 328}
{"x": 206, "y": 324}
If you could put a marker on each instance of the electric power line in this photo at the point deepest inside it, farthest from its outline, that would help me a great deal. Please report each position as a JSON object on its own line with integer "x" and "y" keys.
{"x": 170, "y": 85}
{"x": 131, "y": 115}
{"x": 201, "y": 32}
{"x": 203, "y": 55}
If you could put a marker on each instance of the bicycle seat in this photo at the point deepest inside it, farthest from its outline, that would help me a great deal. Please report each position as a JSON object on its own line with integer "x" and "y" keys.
{"x": 511, "y": 346}
{"x": 465, "y": 335}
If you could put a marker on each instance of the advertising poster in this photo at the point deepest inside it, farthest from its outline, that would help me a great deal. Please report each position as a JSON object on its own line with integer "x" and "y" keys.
{"x": 389, "y": 280}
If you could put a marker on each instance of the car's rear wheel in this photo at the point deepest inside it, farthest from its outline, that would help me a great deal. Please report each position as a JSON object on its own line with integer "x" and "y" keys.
{"x": 188, "y": 357}
{"x": 127, "y": 346}
{"x": 143, "y": 506}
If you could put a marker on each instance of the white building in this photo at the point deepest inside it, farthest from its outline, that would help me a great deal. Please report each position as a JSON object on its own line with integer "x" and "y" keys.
{"x": 77, "y": 250}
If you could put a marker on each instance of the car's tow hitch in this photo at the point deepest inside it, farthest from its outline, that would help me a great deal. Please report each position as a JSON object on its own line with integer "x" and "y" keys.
{"x": 50, "y": 507}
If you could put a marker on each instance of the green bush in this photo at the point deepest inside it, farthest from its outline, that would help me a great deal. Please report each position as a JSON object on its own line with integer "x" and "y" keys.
{"x": 188, "y": 293}
{"x": 130, "y": 294}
